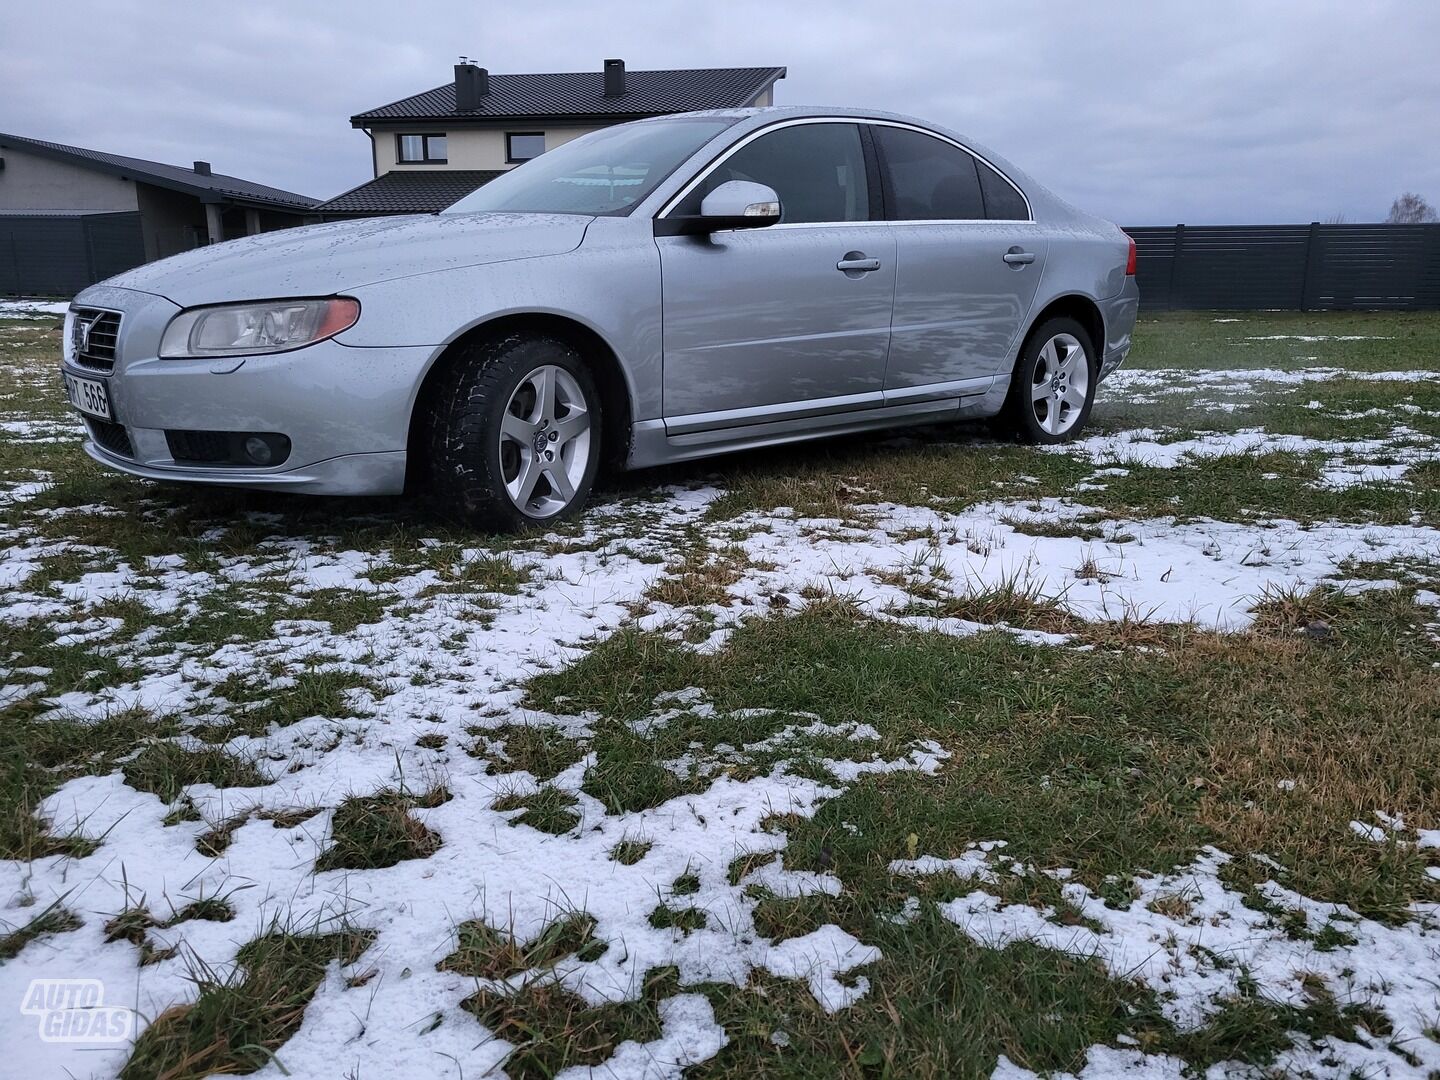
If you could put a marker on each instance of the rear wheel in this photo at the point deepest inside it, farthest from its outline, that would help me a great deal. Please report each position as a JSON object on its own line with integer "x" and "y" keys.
{"x": 515, "y": 433}
{"x": 1053, "y": 387}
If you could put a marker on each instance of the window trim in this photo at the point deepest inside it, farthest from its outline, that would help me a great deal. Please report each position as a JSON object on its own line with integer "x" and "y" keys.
{"x": 795, "y": 121}
{"x": 892, "y": 199}
{"x": 980, "y": 159}
{"x": 872, "y": 150}
{"x": 424, "y": 137}
{"x": 510, "y": 159}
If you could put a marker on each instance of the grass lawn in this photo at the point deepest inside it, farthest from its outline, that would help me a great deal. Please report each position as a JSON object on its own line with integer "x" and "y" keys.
{"x": 910, "y": 755}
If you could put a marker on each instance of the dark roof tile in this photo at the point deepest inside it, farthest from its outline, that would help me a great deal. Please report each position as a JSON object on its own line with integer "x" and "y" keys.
{"x": 175, "y": 177}
{"x": 582, "y": 94}
{"x": 405, "y": 191}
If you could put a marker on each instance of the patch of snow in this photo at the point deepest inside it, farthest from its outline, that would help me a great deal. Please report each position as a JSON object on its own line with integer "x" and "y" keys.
{"x": 1319, "y": 337}
{"x": 1211, "y": 572}
{"x": 1347, "y": 465}
{"x": 819, "y": 957}
{"x": 1197, "y": 958}
{"x": 1103, "y": 1063}
{"x": 1237, "y": 380}
{"x": 32, "y": 309}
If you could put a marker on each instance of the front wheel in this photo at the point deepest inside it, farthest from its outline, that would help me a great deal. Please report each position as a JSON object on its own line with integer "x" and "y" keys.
{"x": 515, "y": 433}
{"x": 1053, "y": 387}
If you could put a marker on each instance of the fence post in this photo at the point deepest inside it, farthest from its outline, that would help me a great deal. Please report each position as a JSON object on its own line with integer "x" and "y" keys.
{"x": 1312, "y": 264}
{"x": 1175, "y": 264}
{"x": 1428, "y": 294}
{"x": 14, "y": 264}
{"x": 92, "y": 273}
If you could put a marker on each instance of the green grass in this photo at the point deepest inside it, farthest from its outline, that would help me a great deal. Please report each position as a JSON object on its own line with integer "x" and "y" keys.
{"x": 166, "y": 769}
{"x": 39, "y": 755}
{"x": 1110, "y": 761}
{"x": 135, "y": 923}
{"x": 240, "y": 1023}
{"x": 535, "y": 749}
{"x": 552, "y": 1029}
{"x": 629, "y": 852}
{"x": 1335, "y": 409}
{"x": 486, "y": 953}
{"x": 54, "y": 919}
{"x": 685, "y": 919}
{"x": 259, "y": 705}
{"x": 368, "y": 832}
{"x": 1194, "y": 339}
{"x": 549, "y": 809}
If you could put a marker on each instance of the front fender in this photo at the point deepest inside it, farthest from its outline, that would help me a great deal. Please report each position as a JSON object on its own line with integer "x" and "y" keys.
{"x": 610, "y": 284}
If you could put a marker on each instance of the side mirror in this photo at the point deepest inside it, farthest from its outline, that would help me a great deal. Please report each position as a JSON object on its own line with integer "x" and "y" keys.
{"x": 735, "y": 204}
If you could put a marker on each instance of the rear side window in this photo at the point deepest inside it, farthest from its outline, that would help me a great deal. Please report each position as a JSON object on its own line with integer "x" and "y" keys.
{"x": 930, "y": 180}
{"x": 818, "y": 170}
{"x": 1002, "y": 201}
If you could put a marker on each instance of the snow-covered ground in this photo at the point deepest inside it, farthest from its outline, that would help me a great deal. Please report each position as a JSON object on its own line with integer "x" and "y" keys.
{"x": 577, "y": 591}
{"x": 32, "y": 309}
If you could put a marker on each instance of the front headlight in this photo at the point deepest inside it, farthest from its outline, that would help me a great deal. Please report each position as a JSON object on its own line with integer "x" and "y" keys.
{"x": 242, "y": 329}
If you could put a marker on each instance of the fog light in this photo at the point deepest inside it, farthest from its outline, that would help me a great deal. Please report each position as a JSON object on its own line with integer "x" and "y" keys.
{"x": 259, "y": 450}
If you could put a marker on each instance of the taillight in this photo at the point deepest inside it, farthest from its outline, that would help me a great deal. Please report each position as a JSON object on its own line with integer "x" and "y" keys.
{"x": 1130, "y": 259}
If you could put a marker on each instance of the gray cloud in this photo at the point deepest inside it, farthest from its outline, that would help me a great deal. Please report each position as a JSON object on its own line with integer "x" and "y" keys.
{"x": 1286, "y": 110}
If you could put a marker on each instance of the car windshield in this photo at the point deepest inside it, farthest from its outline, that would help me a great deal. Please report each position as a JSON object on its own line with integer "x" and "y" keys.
{"x": 605, "y": 172}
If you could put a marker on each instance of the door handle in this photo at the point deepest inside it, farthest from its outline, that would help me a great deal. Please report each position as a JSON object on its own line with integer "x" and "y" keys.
{"x": 856, "y": 260}
{"x": 1016, "y": 257}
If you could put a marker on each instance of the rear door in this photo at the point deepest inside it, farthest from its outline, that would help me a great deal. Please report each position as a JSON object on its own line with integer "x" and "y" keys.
{"x": 787, "y": 321}
{"x": 969, "y": 262}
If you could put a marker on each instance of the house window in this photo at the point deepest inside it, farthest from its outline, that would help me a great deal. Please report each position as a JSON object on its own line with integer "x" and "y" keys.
{"x": 523, "y": 145}
{"x": 420, "y": 149}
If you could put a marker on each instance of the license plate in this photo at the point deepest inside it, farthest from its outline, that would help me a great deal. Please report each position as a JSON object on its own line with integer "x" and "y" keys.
{"x": 88, "y": 395}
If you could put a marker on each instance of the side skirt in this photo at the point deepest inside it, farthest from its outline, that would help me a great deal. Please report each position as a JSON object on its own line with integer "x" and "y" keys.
{"x": 651, "y": 444}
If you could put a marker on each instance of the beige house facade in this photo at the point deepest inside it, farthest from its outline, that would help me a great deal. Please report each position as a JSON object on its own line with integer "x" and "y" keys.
{"x": 435, "y": 147}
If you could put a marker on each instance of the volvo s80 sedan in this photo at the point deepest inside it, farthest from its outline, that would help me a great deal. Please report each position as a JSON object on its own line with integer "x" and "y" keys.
{"x": 648, "y": 293}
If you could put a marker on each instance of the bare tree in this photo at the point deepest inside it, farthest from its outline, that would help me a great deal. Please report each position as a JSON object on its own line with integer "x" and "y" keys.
{"x": 1335, "y": 219}
{"x": 1411, "y": 209}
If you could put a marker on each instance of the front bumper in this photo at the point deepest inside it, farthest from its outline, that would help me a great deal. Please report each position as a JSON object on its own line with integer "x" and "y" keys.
{"x": 352, "y": 474}
{"x": 346, "y": 410}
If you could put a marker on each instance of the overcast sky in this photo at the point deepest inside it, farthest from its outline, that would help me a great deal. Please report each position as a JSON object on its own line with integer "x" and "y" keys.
{"x": 1146, "y": 112}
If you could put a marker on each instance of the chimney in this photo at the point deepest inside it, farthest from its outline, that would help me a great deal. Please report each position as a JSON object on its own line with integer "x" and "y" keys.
{"x": 614, "y": 78}
{"x": 471, "y": 85}
{"x": 202, "y": 168}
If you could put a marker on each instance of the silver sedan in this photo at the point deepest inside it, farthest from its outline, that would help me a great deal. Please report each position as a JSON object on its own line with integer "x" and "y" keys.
{"x": 649, "y": 293}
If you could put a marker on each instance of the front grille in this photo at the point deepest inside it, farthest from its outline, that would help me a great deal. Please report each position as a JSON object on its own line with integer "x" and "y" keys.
{"x": 199, "y": 445}
{"x": 98, "y": 349}
{"x": 110, "y": 436}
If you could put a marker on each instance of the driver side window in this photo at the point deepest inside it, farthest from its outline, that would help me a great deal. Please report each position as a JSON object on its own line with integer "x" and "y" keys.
{"x": 818, "y": 170}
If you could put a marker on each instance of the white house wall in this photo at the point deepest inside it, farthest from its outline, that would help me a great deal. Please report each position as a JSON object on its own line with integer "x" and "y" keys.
{"x": 469, "y": 148}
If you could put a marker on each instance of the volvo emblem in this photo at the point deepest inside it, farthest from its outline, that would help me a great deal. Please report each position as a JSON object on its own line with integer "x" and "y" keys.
{"x": 83, "y": 326}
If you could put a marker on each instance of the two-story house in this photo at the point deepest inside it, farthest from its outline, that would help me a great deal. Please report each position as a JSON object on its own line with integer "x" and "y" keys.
{"x": 435, "y": 147}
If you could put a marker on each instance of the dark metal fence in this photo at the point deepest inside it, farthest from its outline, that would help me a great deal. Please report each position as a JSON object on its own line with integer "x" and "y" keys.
{"x": 60, "y": 254}
{"x": 1288, "y": 267}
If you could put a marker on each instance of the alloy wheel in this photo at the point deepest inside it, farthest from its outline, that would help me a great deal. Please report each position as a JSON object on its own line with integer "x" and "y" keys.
{"x": 545, "y": 441}
{"x": 1060, "y": 384}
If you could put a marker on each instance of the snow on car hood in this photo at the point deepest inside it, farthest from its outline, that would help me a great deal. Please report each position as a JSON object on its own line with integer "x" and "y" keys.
{"x": 319, "y": 260}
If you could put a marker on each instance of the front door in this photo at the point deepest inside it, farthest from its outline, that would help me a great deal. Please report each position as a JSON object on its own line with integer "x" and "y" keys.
{"x": 789, "y": 320}
{"x": 969, "y": 262}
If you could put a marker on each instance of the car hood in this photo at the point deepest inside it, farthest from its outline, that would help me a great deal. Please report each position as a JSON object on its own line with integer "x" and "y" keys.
{"x": 319, "y": 260}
